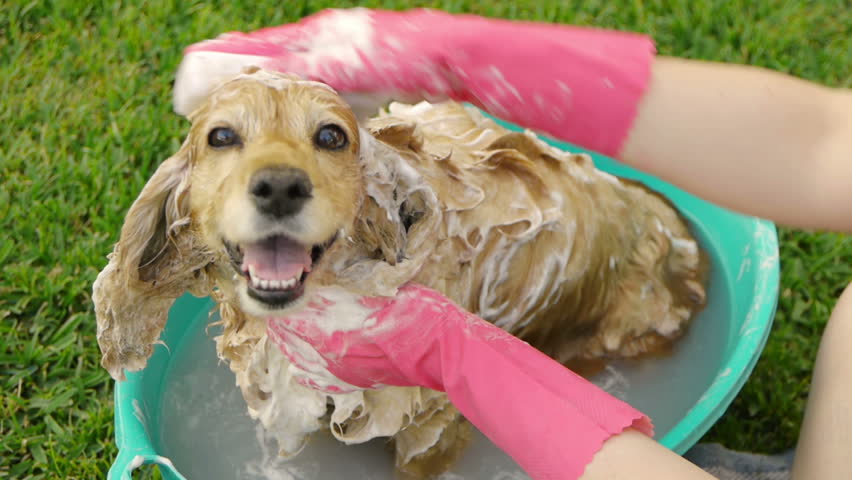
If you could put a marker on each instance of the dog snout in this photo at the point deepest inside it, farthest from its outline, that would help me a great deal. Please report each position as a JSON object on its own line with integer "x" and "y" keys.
{"x": 280, "y": 191}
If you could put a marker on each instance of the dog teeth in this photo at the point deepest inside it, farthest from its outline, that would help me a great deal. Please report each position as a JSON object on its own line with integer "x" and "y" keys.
{"x": 265, "y": 284}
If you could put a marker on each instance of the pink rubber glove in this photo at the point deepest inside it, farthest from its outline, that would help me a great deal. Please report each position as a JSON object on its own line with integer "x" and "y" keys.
{"x": 578, "y": 84}
{"x": 548, "y": 419}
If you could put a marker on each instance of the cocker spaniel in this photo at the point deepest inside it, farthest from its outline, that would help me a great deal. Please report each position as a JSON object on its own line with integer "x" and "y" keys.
{"x": 278, "y": 190}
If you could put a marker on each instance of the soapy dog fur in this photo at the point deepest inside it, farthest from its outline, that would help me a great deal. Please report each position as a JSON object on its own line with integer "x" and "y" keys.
{"x": 278, "y": 190}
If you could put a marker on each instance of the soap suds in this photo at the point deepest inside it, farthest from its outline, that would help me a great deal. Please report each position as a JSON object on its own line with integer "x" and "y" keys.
{"x": 201, "y": 72}
{"x": 278, "y": 82}
{"x": 137, "y": 462}
{"x": 342, "y": 311}
{"x": 609, "y": 178}
{"x": 270, "y": 466}
{"x": 163, "y": 461}
{"x": 138, "y": 413}
{"x": 565, "y": 89}
{"x": 500, "y": 81}
{"x": 338, "y": 39}
{"x": 687, "y": 245}
{"x": 287, "y": 409}
{"x": 612, "y": 381}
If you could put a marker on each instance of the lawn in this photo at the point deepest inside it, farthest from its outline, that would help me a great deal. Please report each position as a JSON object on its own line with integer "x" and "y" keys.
{"x": 85, "y": 100}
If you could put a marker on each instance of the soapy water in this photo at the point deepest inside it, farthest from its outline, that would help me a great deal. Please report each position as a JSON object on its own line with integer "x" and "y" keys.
{"x": 205, "y": 430}
{"x": 207, "y": 433}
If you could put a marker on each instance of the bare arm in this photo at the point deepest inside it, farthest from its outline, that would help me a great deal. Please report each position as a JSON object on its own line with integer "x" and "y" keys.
{"x": 823, "y": 449}
{"x": 752, "y": 140}
{"x": 634, "y": 456}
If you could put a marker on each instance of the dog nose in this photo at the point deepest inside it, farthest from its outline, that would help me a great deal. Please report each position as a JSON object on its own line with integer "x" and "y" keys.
{"x": 280, "y": 191}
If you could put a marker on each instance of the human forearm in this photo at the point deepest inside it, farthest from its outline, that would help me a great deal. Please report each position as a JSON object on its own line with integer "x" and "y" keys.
{"x": 750, "y": 139}
{"x": 822, "y": 452}
{"x": 633, "y": 456}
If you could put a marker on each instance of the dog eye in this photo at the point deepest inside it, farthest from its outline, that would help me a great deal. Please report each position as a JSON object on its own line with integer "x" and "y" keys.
{"x": 331, "y": 137}
{"x": 222, "y": 137}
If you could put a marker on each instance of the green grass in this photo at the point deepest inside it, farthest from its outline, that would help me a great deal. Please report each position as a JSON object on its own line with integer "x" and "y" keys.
{"x": 86, "y": 116}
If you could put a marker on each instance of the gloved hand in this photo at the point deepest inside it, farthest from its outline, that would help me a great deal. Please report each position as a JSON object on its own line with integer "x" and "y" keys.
{"x": 578, "y": 84}
{"x": 548, "y": 419}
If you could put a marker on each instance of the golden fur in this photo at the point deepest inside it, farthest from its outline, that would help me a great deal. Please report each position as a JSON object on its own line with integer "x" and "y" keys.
{"x": 584, "y": 266}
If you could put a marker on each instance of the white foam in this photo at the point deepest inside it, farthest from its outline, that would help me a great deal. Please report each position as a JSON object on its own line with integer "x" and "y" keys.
{"x": 504, "y": 86}
{"x": 343, "y": 311}
{"x": 290, "y": 410}
{"x": 339, "y": 38}
{"x": 199, "y": 73}
{"x": 137, "y": 462}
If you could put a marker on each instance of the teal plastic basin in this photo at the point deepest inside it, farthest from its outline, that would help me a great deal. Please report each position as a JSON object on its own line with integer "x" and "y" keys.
{"x": 709, "y": 367}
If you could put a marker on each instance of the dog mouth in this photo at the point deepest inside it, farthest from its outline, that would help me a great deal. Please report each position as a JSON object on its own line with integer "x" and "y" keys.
{"x": 276, "y": 267}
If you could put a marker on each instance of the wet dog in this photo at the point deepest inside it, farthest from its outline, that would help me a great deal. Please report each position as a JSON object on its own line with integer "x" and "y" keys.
{"x": 277, "y": 190}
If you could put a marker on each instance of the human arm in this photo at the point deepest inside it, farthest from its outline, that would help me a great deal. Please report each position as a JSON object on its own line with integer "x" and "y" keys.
{"x": 750, "y": 139}
{"x": 550, "y": 420}
{"x": 823, "y": 448}
{"x": 753, "y": 140}
{"x": 633, "y": 456}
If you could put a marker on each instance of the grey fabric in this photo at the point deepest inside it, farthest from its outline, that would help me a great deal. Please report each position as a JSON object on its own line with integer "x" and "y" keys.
{"x": 731, "y": 465}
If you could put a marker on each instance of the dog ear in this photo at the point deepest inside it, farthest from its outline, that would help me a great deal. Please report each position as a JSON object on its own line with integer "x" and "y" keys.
{"x": 156, "y": 260}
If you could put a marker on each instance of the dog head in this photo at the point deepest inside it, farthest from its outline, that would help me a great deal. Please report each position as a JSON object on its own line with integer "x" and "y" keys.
{"x": 267, "y": 179}
{"x": 275, "y": 179}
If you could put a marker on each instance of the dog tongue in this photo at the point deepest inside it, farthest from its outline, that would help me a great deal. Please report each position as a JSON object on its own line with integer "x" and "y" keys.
{"x": 276, "y": 258}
